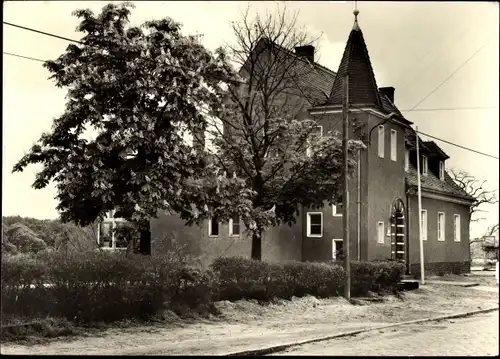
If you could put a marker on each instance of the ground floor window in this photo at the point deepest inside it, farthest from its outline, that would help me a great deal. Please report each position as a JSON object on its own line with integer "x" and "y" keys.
{"x": 440, "y": 226}
{"x": 109, "y": 235}
{"x": 380, "y": 232}
{"x": 337, "y": 249}
{"x": 456, "y": 227}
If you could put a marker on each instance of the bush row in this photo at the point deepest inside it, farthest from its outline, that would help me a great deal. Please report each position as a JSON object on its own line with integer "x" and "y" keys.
{"x": 100, "y": 286}
{"x": 246, "y": 278}
{"x": 104, "y": 287}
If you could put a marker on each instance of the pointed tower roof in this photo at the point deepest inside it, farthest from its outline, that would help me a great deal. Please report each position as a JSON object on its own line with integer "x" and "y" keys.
{"x": 356, "y": 62}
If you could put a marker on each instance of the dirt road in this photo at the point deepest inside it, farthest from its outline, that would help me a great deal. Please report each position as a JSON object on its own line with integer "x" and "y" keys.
{"x": 474, "y": 336}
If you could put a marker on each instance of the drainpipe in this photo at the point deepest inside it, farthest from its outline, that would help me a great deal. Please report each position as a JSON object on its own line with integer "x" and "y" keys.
{"x": 359, "y": 206}
{"x": 408, "y": 270}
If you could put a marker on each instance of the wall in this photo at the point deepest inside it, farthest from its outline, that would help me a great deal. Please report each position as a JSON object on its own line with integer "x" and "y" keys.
{"x": 386, "y": 183}
{"x": 320, "y": 248}
{"x": 438, "y": 253}
{"x": 279, "y": 244}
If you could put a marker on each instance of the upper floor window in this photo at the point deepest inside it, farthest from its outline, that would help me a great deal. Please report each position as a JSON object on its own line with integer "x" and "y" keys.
{"x": 407, "y": 160}
{"x": 234, "y": 226}
{"x": 213, "y": 227}
{"x": 314, "y": 224}
{"x": 394, "y": 145}
{"x": 316, "y": 132}
{"x": 381, "y": 141}
{"x": 441, "y": 170}
{"x": 424, "y": 165}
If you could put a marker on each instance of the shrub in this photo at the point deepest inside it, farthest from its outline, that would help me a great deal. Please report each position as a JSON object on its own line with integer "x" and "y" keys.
{"x": 318, "y": 279}
{"x": 100, "y": 286}
{"x": 377, "y": 276}
{"x": 243, "y": 278}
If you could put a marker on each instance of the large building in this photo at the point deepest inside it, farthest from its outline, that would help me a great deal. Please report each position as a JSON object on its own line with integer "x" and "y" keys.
{"x": 383, "y": 206}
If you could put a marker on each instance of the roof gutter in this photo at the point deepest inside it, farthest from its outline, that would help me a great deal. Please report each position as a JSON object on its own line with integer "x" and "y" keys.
{"x": 434, "y": 194}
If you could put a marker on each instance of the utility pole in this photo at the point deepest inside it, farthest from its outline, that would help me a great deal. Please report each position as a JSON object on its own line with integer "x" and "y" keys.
{"x": 419, "y": 195}
{"x": 345, "y": 220}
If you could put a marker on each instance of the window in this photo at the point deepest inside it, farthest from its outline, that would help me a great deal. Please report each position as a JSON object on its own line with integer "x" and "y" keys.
{"x": 441, "y": 224}
{"x": 423, "y": 225}
{"x": 337, "y": 249}
{"x": 380, "y": 232}
{"x": 337, "y": 210}
{"x": 213, "y": 227}
{"x": 234, "y": 226}
{"x": 424, "y": 165}
{"x": 407, "y": 160}
{"x": 109, "y": 236}
{"x": 394, "y": 145}
{"x": 381, "y": 141}
{"x": 314, "y": 224}
{"x": 441, "y": 170}
{"x": 456, "y": 227}
{"x": 316, "y": 132}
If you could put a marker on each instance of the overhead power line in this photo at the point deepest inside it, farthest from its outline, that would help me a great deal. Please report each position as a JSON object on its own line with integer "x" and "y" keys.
{"x": 446, "y": 79}
{"x": 23, "y": 57}
{"x": 412, "y": 109}
{"x": 457, "y": 145}
{"x": 451, "y": 109}
{"x": 439, "y": 139}
{"x": 43, "y": 32}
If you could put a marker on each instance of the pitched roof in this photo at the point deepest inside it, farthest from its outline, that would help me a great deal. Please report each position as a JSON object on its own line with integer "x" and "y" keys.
{"x": 436, "y": 150}
{"x": 356, "y": 63}
{"x": 314, "y": 82}
{"x": 411, "y": 142}
{"x": 432, "y": 183}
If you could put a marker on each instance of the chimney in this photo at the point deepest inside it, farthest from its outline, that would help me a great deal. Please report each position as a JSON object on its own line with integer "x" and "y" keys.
{"x": 388, "y": 91}
{"x": 306, "y": 51}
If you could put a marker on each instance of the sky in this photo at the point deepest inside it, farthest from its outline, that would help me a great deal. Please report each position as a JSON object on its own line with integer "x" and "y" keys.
{"x": 413, "y": 46}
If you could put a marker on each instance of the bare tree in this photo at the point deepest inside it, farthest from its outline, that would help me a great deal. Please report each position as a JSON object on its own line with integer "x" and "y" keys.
{"x": 475, "y": 188}
{"x": 490, "y": 231}
{"x": 265, "y": 138}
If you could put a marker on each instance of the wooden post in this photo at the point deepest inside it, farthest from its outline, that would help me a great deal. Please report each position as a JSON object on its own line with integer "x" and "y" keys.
{"x": 345, "y": 220}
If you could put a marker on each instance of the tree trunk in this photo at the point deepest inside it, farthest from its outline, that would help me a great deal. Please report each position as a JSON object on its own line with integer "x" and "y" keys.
{"x": 145, "y": 239}
{"x": 257, "y": 246}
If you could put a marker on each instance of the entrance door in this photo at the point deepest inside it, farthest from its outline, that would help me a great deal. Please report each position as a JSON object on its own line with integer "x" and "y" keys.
{"x": 337, "y": 249}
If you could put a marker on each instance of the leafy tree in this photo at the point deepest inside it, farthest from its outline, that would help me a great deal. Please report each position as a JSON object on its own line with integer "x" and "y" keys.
{"x": 139, "y": 88}
{"x": 23, "y": 238}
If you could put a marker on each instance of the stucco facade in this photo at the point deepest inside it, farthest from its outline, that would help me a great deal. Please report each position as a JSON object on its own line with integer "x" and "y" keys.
{"x": 383, "y": 208}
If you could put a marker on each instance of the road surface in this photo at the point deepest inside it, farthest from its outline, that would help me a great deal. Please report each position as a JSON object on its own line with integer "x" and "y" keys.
{"x": 476, "y": 335}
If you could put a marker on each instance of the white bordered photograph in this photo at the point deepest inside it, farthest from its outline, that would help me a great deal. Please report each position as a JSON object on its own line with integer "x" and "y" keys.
{"x": 250, "y": 178}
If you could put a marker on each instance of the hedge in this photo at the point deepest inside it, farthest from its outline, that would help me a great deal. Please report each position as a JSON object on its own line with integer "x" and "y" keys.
{"x": 104, "y": 287}
{"x": 100, "y": 286}
{"x": 250, "y": 279}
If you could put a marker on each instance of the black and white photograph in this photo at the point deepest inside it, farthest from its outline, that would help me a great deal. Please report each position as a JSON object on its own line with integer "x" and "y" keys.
{"x": 250, "y": 178}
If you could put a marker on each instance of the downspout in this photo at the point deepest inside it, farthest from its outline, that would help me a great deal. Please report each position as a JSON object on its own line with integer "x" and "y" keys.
{"x": 408, "y": 270}
{"x": 359, "y": 205}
